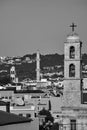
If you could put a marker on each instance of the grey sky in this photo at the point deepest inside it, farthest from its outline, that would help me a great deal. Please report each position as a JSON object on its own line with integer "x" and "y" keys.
{"x": 28, "y": 25}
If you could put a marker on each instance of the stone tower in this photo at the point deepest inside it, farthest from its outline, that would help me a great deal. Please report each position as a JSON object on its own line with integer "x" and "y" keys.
{"x": 72, "y": 70}
{"x": 38, "y": 66}
{"x": 74, "y": 112}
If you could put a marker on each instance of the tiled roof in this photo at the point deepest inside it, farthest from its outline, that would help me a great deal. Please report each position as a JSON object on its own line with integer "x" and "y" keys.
{"x": 2, "y": 103}
{"x": 9, "y": 118}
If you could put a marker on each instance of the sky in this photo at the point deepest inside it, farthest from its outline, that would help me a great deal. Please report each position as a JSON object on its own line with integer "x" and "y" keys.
{"x": 29, "y": 25}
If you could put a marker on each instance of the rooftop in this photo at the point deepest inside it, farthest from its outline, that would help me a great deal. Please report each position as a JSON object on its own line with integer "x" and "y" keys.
{"x": 9, "y": 118}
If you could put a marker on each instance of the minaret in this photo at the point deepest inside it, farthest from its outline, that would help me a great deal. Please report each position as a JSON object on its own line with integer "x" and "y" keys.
{"x": 38, "y": 66}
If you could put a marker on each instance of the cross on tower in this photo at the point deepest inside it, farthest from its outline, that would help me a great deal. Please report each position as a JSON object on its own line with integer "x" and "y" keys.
{"x": 73, "y": 26}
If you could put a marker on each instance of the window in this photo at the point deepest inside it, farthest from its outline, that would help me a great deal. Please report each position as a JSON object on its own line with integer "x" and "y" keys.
{"x": 6, "y": 97}
{"x": 10, "y": 97}
{"x": 12, "y": 72}
{"x": 72, "y": 52}
{"x": 35, "y": 114}
{"x": 20, "y": 114}
{"x": 12, "y": 78}
{"x": 84, "y": 97}
{"x": 73, "y": 124}
{"x": 28, "y": 115}
{"x": 38, "y": 108}
{"x": 72, "y": 70}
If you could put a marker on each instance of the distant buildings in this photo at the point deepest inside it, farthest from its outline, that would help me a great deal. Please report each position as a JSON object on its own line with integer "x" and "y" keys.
{"x": 65, "y": 98}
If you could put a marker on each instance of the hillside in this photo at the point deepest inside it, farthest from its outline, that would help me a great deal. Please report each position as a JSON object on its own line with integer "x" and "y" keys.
{"x": 26, "y": 66}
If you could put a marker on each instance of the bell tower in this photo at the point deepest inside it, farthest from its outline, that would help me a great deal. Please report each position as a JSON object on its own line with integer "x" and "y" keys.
{"x": 13, "y": 74}
{"x": 72, "y": 69}
{"x": 74, "y": 112}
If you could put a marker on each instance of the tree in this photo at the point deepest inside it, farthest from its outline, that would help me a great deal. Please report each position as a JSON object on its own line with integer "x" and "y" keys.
{"x": 48, "y": 115}
{"x": 48, "y": 119}
{"x": 5, "y": 80}
{"x": 55, "y": 126}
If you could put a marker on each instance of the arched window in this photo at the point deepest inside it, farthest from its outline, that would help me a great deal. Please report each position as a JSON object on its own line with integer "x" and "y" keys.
{"x": 72, "y": 70}
{"x": 12, "y": 72}
{"x": 72, "y": 52}
{"x": 12, "y": 78}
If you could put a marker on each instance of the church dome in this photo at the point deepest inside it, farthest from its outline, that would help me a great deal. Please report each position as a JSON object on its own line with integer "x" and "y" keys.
{"x": 73, "y": 38}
